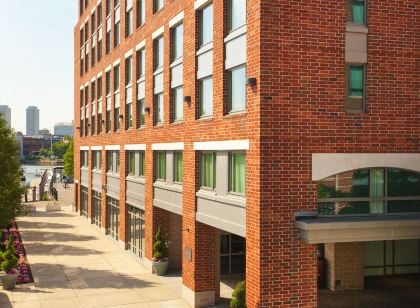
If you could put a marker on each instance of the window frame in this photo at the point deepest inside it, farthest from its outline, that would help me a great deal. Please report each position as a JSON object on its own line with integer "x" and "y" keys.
{"x": 200, "y": 97}
{"x": 131, "y": 165}
{"x": 229, "y": 16}
{"x": 158, "y": 166}
{"x": 230, "y": 174}
{"x": 229, "y": 92}
{"x": 350, "y": 16}
{"x": 201, "y": 43}
{"x": 214, "y": 162}
{"x": 177, "y": 155}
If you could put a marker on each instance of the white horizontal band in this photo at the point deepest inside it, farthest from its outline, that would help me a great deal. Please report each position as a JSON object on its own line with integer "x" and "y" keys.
{"x": 198, "y": 4}
{"x": 96, "y": 148}
{"x": 84, "y": 148}
{"x": 108, "y": 68}
{"x": 178, "y": 18}
{"x": 112, "y": 147}
{"x": 87, "y": 19}
{"x": 135, "y": 147}
{"x": 128, "y": 54}
{"x": 176, "y": 146}
{"x": 116, "y": 62}
{"x": 99, "y": 2}
{"x": 86, "y": 84}
{"x": 82, "y": 87}
{"x": 93, "y": 11}
{"x": 93, "y": 79}
{"x": 99, "y": 75}
{"x": 158, "y": 32}
{"x": 81, "y": 26}
{"x": 229, "y": 145}
{"x": 140, "y": 45}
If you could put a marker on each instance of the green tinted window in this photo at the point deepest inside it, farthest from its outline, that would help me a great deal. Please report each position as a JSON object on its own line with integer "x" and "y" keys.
{"x": 178, "y": 167}
{"x": 358, "y": 11}
{"x": 161, "y": 165}
{"x": 208, "y": 161}
{"x": 237, "y": 172}
{"x": 356, "y": 81}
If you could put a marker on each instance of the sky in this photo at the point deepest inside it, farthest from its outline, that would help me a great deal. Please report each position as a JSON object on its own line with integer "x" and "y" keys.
{"x": 36, "y": 59}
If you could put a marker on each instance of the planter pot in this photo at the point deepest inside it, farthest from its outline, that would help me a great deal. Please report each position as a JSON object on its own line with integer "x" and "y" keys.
{"x": 8, "y": 281}
{"x": 161, "y": 267}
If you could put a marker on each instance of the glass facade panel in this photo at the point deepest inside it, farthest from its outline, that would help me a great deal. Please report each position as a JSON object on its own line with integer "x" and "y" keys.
{"x": 161, "y": 166}
{"x": 141, "y": 113}
{"x": 358, "y": 11}
{"x": 232, "y": 254}
{"x": 178, "y": 100}
{"x": 206, "y": 97}
{"x": 178, "y": 35}
{"x": 96, "y": 208}
{"x": 237, "y": 89}
{"x": 237, "y": 14}
{"x": 141, "y": 163}
{"x": 237, "y": 173}
{"x": 131, "y": 163}
{"x": 369, "y": 191}
{"x": 158, "y": 52}
{"x": 178, "y": 167}
{"x": 136, "y": 227}
{"x": 208, "y": 172}
{"x": 113, "y": 217}
{"x": 84, "y": 201}
{"x": 159, "y": 108}
{"x": 356, "y": 81}
{"x": 206, "y": 25}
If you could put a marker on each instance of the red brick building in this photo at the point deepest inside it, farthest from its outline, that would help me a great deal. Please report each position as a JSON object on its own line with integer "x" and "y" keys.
{"x": 294, "y": 125}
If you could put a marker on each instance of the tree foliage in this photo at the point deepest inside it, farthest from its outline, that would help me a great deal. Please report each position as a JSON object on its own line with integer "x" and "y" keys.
{"x": 239, "y": 296}
{"x": 69, "y": 157}
{"x": 160, "y": 249}
{"x": 10, "y": 174}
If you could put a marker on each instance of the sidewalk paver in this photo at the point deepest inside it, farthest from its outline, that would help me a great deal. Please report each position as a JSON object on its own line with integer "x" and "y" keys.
{"x": 75, "y": 265}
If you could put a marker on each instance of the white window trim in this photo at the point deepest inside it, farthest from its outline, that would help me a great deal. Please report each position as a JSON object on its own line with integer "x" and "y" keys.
{"x": 128, "y": 54}
{"x": 140, "y": 45}
{"x": 116, "y": 62}
{"x": 158, "y": 32}
{"x": 176, "y": 20}
{"x": 99, "y": 75}
{"x": 86, "y": 84}
{"x": 96, "y": 148}
{"x": 112, "y": 147}
{"x": 93, "y": 80}
{"x": 228, "y": 145}
{"x": 84, "y": 148}
{"x": 175, "y": 146}
{"x": 135, "y": 147}
{"x": 198, "y": 4}
{"x": 108, "y": 68}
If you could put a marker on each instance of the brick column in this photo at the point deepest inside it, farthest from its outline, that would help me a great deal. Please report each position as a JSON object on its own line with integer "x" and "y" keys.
{"x": 345, "y": 270}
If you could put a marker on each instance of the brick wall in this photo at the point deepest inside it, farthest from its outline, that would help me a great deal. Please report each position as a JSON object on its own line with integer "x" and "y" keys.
{"x": 296, "y": 52}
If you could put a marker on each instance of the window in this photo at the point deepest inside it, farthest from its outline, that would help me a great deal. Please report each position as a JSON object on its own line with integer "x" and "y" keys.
{"x": 237, "y": 89}
{"x": 84, "y": 201}
{"x": 128, "y": 17}
{"x": 117, "y": 160}
{"x": 157, "y": 5}
{"x": 206, "y": 25}
{"x": 158, "y": 108}
{"x": 117, "y": 98}
{"x": 237, "y": 14}
{"x": 177, "y": 42}
{"x": 110, "y": 161}
{"x": 141, "y": 113}
{"x": 117, "y": 23}
{"x": 158, "y": 56}
{"x": 129, "y": 92}
{"x": 81, "y": 7}
{"x": 97, "y": 160}
{"x": 96, "y": 208}
{"x": 161, "y": 166}
{"x": 113, "y": 217}
{"x": 84, "y": 160}
{"x": 141, "y": 63}
{"x": 208, "y": 170}
{"x": 136, "y": 231}
{"x": 356, "y": 81}
{"x": 99, "y": 21}
{"x": 141, "y": 12}
{"x": 86, "y": 111}
{"x": 99, "y": 130}
{"x": 206, "y": 97}
{"x": 178, "y": 167}
{"x": 93, "y": 97}
{"x": 357, "y": 12}
{"x": 108, "y": 101}
{"x": 369, "y": 191}
{"x": 131, "y": 163}
{"x": 178, "y": 101}
{"x": 142, "y": 167}
{"x": 237, "y": 172}
{"x": 108, "y": 7}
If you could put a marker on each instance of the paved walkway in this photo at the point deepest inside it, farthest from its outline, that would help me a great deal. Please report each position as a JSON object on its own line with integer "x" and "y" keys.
{"x": 75, "y": 265}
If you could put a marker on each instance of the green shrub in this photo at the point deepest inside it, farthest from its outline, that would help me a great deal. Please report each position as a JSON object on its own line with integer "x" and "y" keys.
{"x": 238, "y": 296}
{"x": 160, "y": 249}
{"x": 44, "y": 197}
{"x": 9, "y": 261}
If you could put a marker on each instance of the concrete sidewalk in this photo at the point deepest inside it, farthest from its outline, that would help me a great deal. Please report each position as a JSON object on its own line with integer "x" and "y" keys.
{"x": 75, "y": 265}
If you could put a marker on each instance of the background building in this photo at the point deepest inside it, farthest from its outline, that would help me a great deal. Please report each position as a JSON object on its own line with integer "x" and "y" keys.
{"x": 32, "y": 121}
{"x": 44, "y": 132}
{"x": 63, "y": 129}
{"x": 266, "y": 138}
{"x": 7, "y": 114}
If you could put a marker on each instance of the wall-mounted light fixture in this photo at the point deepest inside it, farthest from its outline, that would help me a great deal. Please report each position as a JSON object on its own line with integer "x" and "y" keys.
{"x": 89, "y": 124}
{"x": 103, "y": 121}
{"x": 147, "y": 109}
{"x": 251, "y": 81}
{"x": 78, "y": 127}
{"x": 121, "y": 117}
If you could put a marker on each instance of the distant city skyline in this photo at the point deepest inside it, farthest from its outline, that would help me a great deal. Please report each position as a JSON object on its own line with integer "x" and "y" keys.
{"x": 6, "y": 112}
{"x": 32, "y": 121}
{"x": 41, "y": 75}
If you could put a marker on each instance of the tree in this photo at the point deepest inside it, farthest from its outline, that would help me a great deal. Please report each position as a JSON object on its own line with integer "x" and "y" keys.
{"x": 69, "y": 157}
{"x": 59, "y": 149}
{"x": 10, "y": 174}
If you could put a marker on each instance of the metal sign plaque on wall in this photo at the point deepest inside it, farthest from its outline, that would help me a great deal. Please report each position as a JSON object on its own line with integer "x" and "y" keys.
{"x": 188, "y": 254}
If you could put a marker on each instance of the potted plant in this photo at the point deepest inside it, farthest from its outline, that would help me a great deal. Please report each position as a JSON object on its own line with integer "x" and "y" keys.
{"x": 8, "y": 266}
{"x": 160, "y": 260}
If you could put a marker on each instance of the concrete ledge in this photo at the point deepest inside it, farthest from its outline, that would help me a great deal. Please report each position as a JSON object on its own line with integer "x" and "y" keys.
{"x": 198, "y": 299}
{"x": 52, "y": 208}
